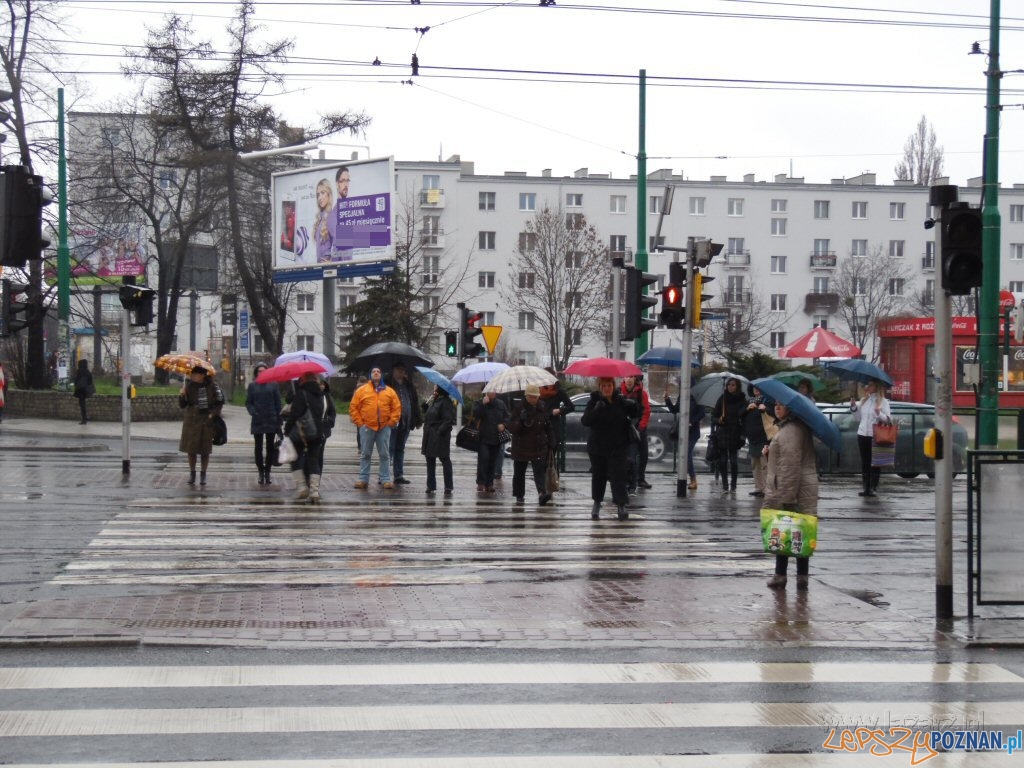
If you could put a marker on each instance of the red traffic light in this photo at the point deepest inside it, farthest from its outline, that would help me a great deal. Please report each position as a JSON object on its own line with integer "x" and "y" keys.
{"x": 472, "y": 320}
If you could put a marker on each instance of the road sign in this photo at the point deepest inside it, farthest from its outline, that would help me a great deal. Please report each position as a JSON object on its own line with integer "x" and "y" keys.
{"x": 491, "y": 335}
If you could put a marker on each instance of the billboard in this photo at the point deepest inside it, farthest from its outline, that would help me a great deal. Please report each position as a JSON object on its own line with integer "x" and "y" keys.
{"x": 105, "y": 255}
{"x": 332, "y": 215}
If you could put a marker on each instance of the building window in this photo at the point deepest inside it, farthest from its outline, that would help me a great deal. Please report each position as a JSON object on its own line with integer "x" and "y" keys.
{"x": 346, "y": 300}
{"x": 860, "y": 210}
{"x": 617, "y": 246}
{"x": 574, "y": 221}
{"x": 1016, "y": 251}
{"x": 696, "y": 206}
{"x": 617, "y": 204}
{"x": 111, "y": 136}
{"x": 736, "y": 245}
{"x": 527, "y": 201}
{"x": 573, "y": 299}
{"x": 486, "y": 241}
{"x": 896, "y": 248}
{"x": 574, "y": 260}
{"x": 820, "y": 285}
{"x": 779, "y": 227}
{"x": 735, "y": 206}
{"x": 654, "y": 243}
{"x": 526, "y": 280}
{"x": 822, "y": 246}
{"x": 859, "y": 248}
{"x": 820, "y": 320}
{"x": 167, "y": 179}
{"x": 431, "y": 303}
{"x": 431, "y": 269}
{"x": 573, "y": 200}
{"x": 574, "y": 336}
{"x": 778, "y": 205}
{"x": 258, "y": 347}
{"x": 527, "y": 241}
{"x": 1017, "y": 213}
{"x": 654, "y": 204}
{"x": 487, "y": 201}
{"x": 896, "y": 286}
{"x": 821, "y": 209}
{"x": 526, "y": 320}
{"x": 485, "y": 280}
{"x": 859, "y": 286}
{"x": 1017, "y": 286}
{"x": 778, "y": 265}
{"x": 778, "y": 302}
{"x": 777, "y": 340}
{"x": 305, "y": 302}
{"x": 896, "y": 211}
{"x": 304, "y": 343}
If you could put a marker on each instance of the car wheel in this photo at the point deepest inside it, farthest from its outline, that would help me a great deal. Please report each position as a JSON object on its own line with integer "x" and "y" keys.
{"x": 655, "y": 447}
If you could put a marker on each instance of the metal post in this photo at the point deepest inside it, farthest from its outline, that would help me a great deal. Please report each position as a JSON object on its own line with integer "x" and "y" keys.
{"x": 640, "y": 344}
{"x": 126, "y": 401}
{"x": 330, "y": 293}
{"x": 97, "y": 328}
{"x": 193, "y": 315}
{"x": 944, "y": 466}
{"x": 683, "y": 440}
{"x": 616, "y": 308}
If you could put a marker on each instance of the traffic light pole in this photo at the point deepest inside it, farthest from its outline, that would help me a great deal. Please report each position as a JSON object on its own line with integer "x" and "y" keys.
{"x": 126, "y": 388}
{"x": 685, "y": 374}
{"x": 943, "y": 373}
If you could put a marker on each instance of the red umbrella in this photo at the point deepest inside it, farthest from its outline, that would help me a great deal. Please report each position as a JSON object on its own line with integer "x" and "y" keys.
{"x": 289, "y": 371}
{"x": 603, "y": 366}
{"x": 819, "y": 343}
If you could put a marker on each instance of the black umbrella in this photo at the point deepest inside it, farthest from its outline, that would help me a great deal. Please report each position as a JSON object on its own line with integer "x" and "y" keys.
{"x": 386, "y": 354}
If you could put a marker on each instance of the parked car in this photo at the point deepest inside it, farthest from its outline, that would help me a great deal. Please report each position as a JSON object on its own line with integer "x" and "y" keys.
{"x": 659, "y": 444}
{"x": 700, "y": 455}
{"x": 914, "y": 419}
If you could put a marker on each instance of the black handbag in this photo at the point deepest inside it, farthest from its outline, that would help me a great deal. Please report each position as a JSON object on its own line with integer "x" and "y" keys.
{"x": 468, "y": 438}
{"x": 220, "y": 430}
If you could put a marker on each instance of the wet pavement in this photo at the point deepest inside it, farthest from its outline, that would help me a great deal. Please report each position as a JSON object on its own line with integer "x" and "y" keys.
{"x": 104, "y": 558}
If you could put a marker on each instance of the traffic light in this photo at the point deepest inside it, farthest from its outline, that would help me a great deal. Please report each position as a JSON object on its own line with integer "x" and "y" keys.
{"x": 637, "y": 303}
{"x": 18, "y": 309}
{"x": 471, "y": 348}
{"x": 704, "y": 252}
{"x": 138, "y": 299}
{"x": 961, "y": 249}
{"x": 451, "y": 343}
{"x": 22, "y": 199}
{"x": 673, "y": 313}
{"x": 699, "y": 297}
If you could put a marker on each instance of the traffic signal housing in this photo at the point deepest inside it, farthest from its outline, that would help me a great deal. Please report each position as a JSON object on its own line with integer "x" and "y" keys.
{"x": 470, "y": 318}
{"x": 961, "y": 249}
{"x": 138, "y": 299}
{"x": 22, "y": 199}
{"x": 673, "y": 310}
{"x": 18, "y": 310}
{"x": 637, "y": 304}
{"x": 451, "y": 343}
{"x": 699, "y": 297}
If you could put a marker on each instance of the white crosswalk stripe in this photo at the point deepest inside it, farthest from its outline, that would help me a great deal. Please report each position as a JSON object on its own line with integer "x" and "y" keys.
{"x": 45, "y": 720}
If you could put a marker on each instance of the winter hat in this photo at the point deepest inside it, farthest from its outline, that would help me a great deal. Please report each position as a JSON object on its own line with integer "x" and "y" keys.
{"x": 532, "y": 390}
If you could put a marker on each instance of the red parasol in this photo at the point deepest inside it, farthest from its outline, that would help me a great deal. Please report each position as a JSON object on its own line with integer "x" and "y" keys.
{"x": 819, "y": 343}
{"x": 603, "y": 366}
{"x": 289, "y": 371}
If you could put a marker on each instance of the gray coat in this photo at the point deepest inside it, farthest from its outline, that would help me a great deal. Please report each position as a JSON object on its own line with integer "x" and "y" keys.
{"x": 197, "y": 425}
{"x": 792, "y": 479}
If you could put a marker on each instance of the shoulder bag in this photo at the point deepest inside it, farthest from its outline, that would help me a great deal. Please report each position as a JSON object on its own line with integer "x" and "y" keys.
{"x": 305, "y": 430}
{"x": 468, "y": 438}
{"x": 885, "y": 434}
{"x": 220, "y": 430}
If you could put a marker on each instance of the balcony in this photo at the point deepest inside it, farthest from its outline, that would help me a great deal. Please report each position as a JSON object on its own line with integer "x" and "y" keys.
{"x": 734, "y": 298}
{"x": 823, "y": 260}
{"x": 821, "y": 303}
{"x": 928, "y": 263}
{"x": 431, "y": 198}
{"x": 737, "y": 259}
{"x": 432, "y": 238}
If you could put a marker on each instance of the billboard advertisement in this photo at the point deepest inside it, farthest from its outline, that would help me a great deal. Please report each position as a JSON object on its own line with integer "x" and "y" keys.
{"x": 332, "y": 215}
{"x": 105, "y": 255}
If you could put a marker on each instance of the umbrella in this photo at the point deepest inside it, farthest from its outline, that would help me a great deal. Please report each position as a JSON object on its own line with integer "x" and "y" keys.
{"x": 289, "y": 371}
{"x": 184, "y": 362}
{"x": 386, "y": 354}
{"x": 792, "y": 378}
{"x": 858, "y": 370}
{"x": 316, "y": 357}
{"x": 821, "y": 426}
{"x": 518, "y": 377}
{"x": 434, "y": 377}
{"x": 711, "y": 387}
{"x": 670, "y": 357}
{"x": 478, "y": 373}
{"x": 604, "y": 367}
{"x": 819, "y": 343}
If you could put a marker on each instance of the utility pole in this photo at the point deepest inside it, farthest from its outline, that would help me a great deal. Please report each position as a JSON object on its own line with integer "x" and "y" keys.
{"x": 640, "y": 343}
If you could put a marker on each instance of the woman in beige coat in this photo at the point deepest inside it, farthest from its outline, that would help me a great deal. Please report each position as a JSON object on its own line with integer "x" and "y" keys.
{"x": 791, "y": 483}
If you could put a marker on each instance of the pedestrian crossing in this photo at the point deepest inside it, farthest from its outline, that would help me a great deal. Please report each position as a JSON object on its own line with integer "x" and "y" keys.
{"x": 502, "y": 715}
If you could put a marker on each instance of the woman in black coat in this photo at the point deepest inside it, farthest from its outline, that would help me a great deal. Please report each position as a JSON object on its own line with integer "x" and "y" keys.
{"x": 84, "y": 388}
{"x": 438, "y": 421}
{"x": 263, "y": 402}
{"x": 728, "y": 414}
{"x": 533, "y": 438}
{"x": 608, "y": 415}
{"x": 492, "y": 416}
{"x": 308, "y": 467}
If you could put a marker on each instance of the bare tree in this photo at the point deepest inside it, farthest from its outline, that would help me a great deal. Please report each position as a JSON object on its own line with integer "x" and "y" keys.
{"x": 560, "y": 278}
{"x": 871, "y": 288}
{"x": 746, "y": 327}
{"x": 922, "y": 157}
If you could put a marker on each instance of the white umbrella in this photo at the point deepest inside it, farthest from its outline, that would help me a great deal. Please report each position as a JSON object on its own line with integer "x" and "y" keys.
{"x": 519, "y": 377}
{"x": 305, "y": 355}
{"x": 478, "y": 373}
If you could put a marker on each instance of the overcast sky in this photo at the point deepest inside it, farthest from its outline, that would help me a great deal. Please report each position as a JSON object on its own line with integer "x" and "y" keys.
{"x": 822, "y": 90}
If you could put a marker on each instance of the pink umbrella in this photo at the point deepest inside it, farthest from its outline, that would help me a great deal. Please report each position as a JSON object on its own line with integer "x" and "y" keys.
{"x": 289, "y": 371}
{"x": 603, "y": 366}
{"x": 819, "y": 343}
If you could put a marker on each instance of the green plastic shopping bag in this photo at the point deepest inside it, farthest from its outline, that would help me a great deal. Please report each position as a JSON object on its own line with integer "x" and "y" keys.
{"x": 792, "y": 534}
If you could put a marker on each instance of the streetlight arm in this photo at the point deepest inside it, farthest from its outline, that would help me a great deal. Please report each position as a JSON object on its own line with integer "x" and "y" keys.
{"x": 279, "y": 151}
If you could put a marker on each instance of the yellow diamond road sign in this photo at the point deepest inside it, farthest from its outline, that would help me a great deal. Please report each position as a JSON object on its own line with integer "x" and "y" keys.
{"x": 491, "y": 335}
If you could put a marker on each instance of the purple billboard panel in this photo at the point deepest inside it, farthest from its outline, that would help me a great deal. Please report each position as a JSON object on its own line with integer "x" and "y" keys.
{"x": 332, "y": 214}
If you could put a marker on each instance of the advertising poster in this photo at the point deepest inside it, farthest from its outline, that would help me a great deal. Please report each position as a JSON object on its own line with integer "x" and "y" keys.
{"x": 105, "y": 255}
{"x": 333, "y": 214}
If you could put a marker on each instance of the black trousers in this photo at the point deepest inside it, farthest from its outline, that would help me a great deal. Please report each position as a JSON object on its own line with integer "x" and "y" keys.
{"x": 540, "y": 470}
{"x": 608, "y": 470}
{"x": 264, "y": 451}
{"x": 803, "y": 565}
{"x": 868, "y": 474}
{"x": 446, "y": 473}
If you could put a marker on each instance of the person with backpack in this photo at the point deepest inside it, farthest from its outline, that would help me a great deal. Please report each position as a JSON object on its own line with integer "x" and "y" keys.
{"x": 309, "y": 423}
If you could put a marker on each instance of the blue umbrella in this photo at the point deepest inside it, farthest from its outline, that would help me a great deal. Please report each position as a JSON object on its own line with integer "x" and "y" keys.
{"x": 439, "y": 379}
{"x": 670, "y": 357}
{"x": 859, "y": 370}
{"x": 821, "y": 426}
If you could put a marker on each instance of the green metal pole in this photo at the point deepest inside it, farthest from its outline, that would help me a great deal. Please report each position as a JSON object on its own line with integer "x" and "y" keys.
{"x": 988, "y": 315}
{"x": 63, "y": 255}
{"x": 640, "y": 344}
